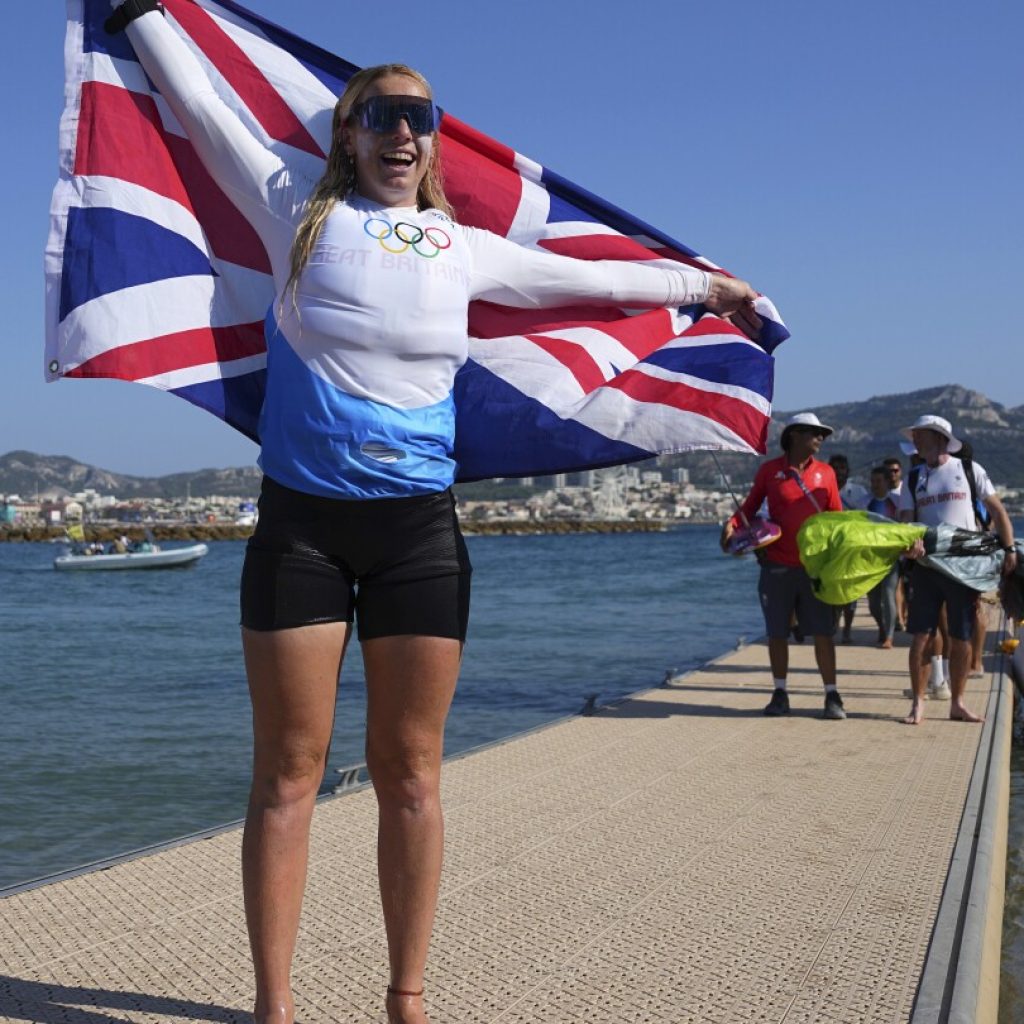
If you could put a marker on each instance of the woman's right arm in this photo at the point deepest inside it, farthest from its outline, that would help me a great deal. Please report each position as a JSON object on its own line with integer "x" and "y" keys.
{"x": 240, "y": 164}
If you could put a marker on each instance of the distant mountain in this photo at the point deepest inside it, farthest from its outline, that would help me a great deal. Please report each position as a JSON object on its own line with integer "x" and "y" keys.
{"x": 28, "y": 474}
{"x": 866, "y": 432}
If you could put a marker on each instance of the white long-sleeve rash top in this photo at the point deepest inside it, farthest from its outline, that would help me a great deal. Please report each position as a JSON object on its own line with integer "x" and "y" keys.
{"x": 361, "y": 365}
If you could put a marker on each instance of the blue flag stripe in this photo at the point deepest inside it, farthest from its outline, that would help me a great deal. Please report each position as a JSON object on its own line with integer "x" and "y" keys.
{"x": 106, "y": 250}
{"x": 236, "y": 400}
{"x": 736, "y": 365}
{"x": 544, "y": 442}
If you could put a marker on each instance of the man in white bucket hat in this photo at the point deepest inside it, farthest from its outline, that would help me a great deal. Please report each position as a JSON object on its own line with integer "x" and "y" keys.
{"x": 796, "y": 486}
{"x": 942, "y": 492}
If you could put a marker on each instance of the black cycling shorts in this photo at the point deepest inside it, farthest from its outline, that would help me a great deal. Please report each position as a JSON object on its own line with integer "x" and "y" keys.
{"x": 398, "y": 566}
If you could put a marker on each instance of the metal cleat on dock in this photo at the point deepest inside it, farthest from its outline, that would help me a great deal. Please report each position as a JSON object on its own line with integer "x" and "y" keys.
{"x": 348, "y": 778}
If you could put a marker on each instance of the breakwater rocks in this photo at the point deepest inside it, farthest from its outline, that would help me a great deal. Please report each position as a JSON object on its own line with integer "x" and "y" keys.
{"x": 519, "y": 527}
{"x": 105, "y": 534}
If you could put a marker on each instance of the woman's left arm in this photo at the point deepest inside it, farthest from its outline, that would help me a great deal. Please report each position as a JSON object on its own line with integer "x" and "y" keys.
{"x": 513, "y": 275}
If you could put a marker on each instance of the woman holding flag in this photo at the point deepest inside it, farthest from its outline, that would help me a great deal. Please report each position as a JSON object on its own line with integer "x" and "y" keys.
{"x": 357, "y": 519}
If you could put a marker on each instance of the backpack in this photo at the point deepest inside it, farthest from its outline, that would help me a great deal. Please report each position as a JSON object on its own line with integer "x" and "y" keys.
{"x": 982, "y": 516}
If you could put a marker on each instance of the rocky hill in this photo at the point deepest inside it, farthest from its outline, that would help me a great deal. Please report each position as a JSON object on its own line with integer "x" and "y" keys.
{"x": 28, "y": 474}
{"x": 866, "y": 432}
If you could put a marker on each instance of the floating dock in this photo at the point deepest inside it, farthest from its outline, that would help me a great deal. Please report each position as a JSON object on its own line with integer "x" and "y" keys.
{"x": 676, "y": 857}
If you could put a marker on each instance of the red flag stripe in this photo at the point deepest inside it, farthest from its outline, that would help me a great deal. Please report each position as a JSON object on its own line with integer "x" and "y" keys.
{"x": 744, "y": 420}
{"x": 482, "y": 193}
{"x": 640, "y": 334}
{"x": 574, "y": 358}
{"x": 454, "y": 130}
{"x": 121, "y": 136}
{"x": 277, "y": 118}
{"x": 489, "y": 320}
{"x": 643, "y": 333}
{"x": 175, "y": 352}
{"x": 232, "y": 238}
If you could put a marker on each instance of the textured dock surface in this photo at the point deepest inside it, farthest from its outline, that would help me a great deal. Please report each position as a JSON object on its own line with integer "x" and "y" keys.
{"x": 678, "y": 857}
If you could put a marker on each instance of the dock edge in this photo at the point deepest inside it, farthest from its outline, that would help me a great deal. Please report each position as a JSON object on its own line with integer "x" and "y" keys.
{"x": 960, "y": 980}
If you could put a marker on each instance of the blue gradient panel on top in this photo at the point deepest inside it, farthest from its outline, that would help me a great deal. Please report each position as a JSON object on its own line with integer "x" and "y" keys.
{"x": 321, "y": 440}
{"x": 106, "y": 250}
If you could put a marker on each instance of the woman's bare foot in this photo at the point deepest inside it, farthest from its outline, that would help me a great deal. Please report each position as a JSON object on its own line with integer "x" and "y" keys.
{"x": 279, "y": 1011}
{"x": 886, "y": 644}
{"x": 916, "y": 713}
{"x": 405, "y": 1009}
{"x": 959, "y": 712}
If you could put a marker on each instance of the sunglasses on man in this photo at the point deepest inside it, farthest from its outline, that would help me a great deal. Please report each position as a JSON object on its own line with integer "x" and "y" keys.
{"x": 384, "y": 113}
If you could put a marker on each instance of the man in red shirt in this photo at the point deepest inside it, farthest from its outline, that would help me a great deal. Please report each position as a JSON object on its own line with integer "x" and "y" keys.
{"x": 796, "y": 486}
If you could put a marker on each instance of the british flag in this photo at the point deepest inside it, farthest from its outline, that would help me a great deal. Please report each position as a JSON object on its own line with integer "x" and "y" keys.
{"x": 154, "y": 276}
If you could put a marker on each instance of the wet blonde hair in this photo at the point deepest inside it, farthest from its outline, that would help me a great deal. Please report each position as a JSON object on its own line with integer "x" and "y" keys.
{"x": 339, "y": 178}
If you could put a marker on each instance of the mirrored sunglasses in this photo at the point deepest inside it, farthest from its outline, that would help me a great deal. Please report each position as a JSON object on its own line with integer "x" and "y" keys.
{"x": 383, "y": 114}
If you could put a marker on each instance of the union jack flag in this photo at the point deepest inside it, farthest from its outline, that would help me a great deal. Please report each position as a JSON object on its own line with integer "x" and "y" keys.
{"x": 152, "y": 275}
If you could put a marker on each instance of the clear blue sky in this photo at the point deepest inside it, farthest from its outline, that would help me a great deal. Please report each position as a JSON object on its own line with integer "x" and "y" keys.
{"x": 860, "y": 163}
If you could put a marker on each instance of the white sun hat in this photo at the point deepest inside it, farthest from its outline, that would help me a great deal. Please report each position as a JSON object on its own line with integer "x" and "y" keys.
{"x": 803, "y": 419}
{"x": 940, "y": 426}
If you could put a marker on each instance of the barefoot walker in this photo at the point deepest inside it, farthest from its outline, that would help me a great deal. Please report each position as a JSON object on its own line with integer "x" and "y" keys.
{"x": 942, "y": 493}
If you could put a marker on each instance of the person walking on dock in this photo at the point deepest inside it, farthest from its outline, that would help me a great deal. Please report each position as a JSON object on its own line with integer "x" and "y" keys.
{"x": 882, "y": 599}
{"x": 894, "y": 471}
{"x": 854, "y": 497}
{"x": 797, "y": 485}
{"x": 945, "y": 490}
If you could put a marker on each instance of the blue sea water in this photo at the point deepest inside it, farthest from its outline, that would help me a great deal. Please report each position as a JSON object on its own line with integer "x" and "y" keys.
{"x": 125, "y": 716}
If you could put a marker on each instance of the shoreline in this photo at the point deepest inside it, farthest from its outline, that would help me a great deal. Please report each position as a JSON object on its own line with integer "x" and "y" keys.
{"x": 106, "y": 533}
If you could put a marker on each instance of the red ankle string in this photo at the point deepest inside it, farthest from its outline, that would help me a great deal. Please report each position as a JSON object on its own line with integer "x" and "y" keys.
{"x": 403, "y": 992}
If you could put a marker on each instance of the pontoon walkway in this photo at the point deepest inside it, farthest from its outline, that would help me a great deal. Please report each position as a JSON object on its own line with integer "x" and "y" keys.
{"x": 675, "y": 858}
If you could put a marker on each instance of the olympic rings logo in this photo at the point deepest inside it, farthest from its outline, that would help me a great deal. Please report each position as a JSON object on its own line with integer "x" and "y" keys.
{"x": 409, "y": 236}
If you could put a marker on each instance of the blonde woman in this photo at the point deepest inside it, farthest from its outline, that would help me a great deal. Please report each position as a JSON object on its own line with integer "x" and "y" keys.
{"x": 357, "y": 520}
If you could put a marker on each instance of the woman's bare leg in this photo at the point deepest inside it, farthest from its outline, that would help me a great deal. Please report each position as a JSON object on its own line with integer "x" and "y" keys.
{"x": 293, "y": 681}
{"x": 410, "y": 683}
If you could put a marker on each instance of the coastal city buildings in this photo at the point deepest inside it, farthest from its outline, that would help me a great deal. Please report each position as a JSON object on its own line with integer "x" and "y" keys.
{"x": 620, "y": 494}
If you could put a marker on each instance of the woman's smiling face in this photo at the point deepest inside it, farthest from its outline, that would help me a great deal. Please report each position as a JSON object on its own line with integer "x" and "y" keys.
{"x": 391, "y": 164}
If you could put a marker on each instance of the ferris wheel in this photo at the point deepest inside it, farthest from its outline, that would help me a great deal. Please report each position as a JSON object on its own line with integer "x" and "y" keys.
{"x": 609, "y": 492}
